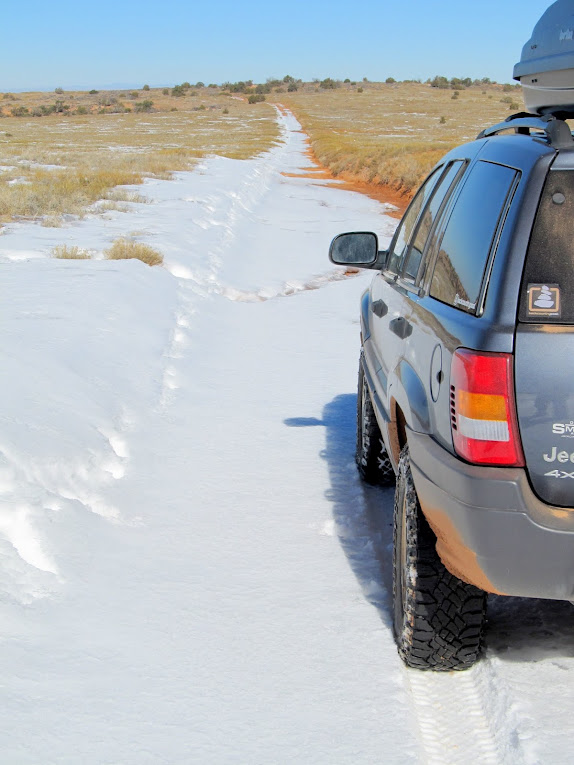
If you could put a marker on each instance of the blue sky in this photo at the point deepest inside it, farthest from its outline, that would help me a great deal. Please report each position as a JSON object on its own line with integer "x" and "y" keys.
{"x": 126, "y": 43}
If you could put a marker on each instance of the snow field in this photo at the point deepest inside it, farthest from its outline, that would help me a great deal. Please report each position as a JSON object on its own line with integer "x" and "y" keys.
{"x": 191, "y": 569}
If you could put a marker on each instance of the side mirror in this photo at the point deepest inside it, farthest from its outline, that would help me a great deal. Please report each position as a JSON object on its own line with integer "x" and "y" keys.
{"x": 359, "y": 249}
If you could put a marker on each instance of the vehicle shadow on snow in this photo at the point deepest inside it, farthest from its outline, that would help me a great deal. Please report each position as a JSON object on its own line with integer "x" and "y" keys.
{"x": 519, "y": 629}
{"x": 529, "y": 630}
{"x": 363, "y": 514}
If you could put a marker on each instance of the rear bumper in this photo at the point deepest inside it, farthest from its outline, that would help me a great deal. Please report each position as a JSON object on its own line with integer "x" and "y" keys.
{"x": 492, "y": 531}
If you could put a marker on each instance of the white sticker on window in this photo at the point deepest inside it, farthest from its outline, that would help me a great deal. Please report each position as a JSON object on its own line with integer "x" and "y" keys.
{"x": 544, "y": 300}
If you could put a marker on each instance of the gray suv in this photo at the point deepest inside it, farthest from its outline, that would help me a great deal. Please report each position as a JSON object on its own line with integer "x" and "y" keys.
{"x": 466, "y": 385}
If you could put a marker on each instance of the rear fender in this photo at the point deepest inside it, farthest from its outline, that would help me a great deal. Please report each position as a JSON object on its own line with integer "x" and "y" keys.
{"x": 407, "y": 394}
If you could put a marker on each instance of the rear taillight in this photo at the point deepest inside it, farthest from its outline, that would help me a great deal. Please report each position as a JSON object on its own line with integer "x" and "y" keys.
{"x": 483, "y": 410}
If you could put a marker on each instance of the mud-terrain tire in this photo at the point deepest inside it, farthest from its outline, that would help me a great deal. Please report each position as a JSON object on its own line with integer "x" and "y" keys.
{"x": 438, "y": 619}
{"x": 373, "y": 462}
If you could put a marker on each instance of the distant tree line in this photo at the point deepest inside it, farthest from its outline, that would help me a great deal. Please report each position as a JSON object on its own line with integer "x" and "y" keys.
{"x": 457, "y": 83}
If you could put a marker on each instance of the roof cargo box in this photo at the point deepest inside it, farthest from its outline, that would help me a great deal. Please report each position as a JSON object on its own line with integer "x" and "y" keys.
{"x": 546, "y": 68}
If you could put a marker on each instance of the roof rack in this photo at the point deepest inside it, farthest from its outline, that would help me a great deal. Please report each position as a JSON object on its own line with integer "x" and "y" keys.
{"x": 556, "y": 130}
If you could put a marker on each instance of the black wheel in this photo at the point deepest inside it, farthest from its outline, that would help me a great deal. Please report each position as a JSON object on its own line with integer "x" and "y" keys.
{"x": 438, "y": 618}
{"x": 372, "y": 458}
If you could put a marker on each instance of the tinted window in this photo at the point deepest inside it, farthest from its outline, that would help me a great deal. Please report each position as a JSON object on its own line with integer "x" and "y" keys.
{"x": 469, "y": 235}
{"x": 427, "y": 221}
{"x": 408, "y": 223}
{"x": 548, "y": 284}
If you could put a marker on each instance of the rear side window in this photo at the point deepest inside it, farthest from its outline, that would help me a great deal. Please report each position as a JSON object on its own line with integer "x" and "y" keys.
{"x": 547, "y": 294}
{"x": 408, "y": 223}
{"x": 470, "y": 234}
{"x": 427, "y": 222}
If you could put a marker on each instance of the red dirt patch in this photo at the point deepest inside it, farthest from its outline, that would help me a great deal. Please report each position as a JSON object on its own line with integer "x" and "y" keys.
{"x": 347, "y": 182}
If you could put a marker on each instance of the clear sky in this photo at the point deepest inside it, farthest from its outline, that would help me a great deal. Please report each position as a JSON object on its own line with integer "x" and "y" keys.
{"x": 123, "y": 43}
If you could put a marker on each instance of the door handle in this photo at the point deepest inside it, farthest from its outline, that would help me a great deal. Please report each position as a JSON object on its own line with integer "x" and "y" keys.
{"x": 379, "y": 308}
{"x": 401, "y": 327}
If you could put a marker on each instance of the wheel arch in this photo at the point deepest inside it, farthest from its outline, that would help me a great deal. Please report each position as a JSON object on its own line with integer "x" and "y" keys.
{"x": 408, "y": 407}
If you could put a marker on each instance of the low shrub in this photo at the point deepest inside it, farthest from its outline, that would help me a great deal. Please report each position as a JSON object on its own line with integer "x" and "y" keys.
{"x": 440, "y": 82}
{"x": 59, "y": 91}
{"x": 165, "y": 91}
{"x": 20, "y": 111}
{"x": 144, "y": 106}
{"x": 256, "y": 98}
{"x": 460, "y": 82}
{"x": 329, "y": 84}
{"x": 93, "y": 92}
{"x": 145, "y": 87}
{"x": 359, "y": 90}
{"x": 127, "y": 249}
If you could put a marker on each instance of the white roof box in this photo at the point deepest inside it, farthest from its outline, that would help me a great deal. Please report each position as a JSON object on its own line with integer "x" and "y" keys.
{"x": 546, "y": 68}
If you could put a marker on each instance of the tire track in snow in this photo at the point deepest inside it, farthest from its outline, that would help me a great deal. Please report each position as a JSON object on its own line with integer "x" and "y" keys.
{"x": 222, "y": 214}
{"x": 287, "y": 289}
{"x": 192, "y": 285}
{"x": 465, "y": 717}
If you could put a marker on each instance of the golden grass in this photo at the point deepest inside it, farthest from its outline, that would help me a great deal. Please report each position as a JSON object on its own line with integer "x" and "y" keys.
{"x": 387, "y": 135}
{"x": 69, "y": 252}
{"x": 125, "y": 249}
{"x": 91, "y": 155}
{"x": 393, "y": 134}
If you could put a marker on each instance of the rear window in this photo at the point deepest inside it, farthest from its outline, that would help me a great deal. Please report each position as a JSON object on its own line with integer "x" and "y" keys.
{"x": 547, "y": 294}
{"x": 470, "y": 234}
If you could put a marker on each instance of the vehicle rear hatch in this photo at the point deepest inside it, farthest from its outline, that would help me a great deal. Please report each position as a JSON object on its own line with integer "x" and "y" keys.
{"x": 544, "y": 348}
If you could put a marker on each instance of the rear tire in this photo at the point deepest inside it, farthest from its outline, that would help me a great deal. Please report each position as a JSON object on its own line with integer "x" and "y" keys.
{"x": 373, "y": 462}
{"x": 438, "y": 618}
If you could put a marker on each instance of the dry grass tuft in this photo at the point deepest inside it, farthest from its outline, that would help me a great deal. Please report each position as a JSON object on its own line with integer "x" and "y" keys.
{"x": 124, "y": 249}
{"x": 52, "y": 221}
{"x": 70, "y": 252}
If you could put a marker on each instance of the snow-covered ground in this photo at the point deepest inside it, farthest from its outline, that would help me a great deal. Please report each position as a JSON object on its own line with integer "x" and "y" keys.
{"x": 190, "y": 570}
